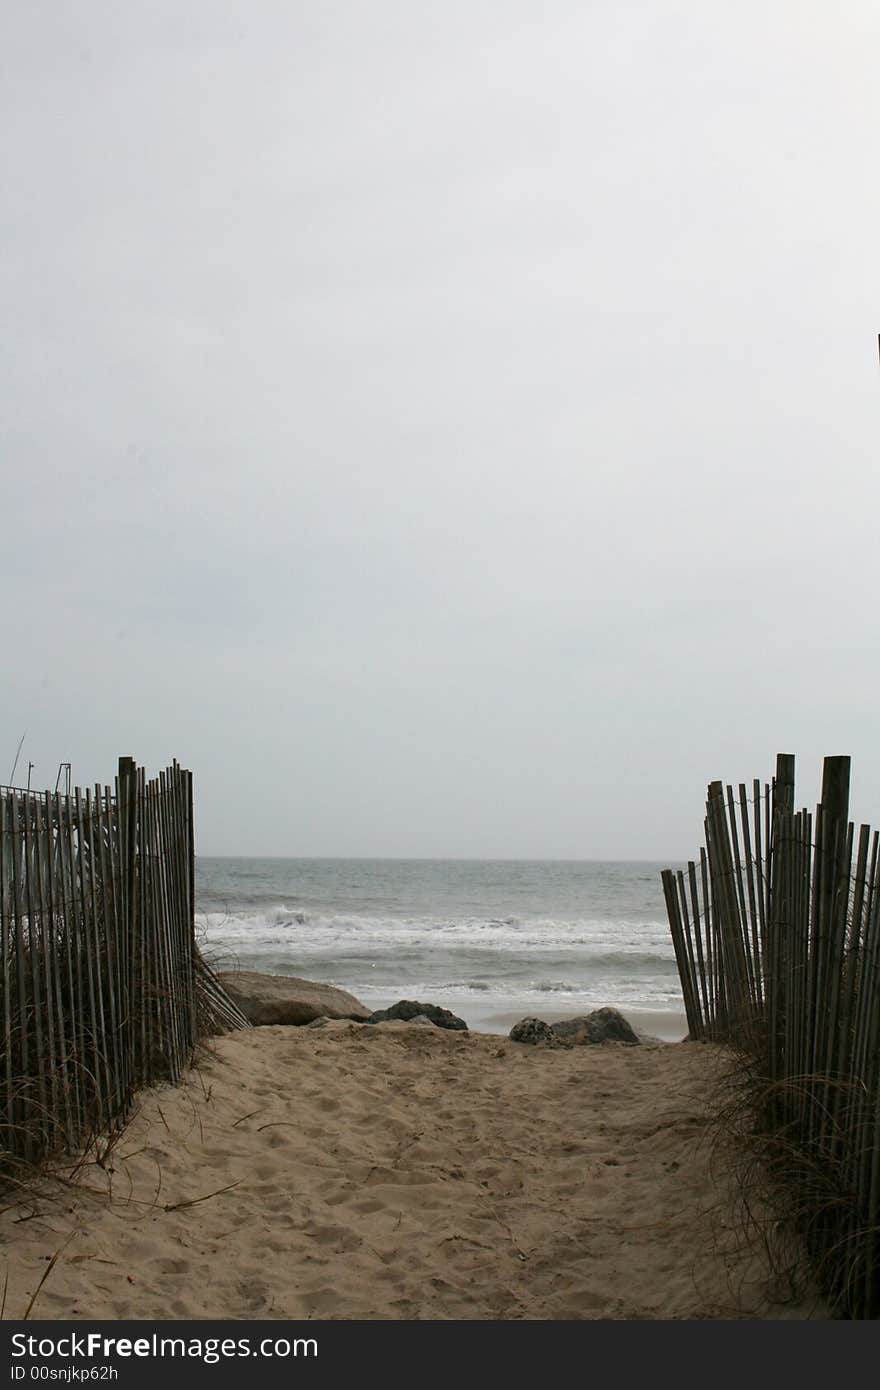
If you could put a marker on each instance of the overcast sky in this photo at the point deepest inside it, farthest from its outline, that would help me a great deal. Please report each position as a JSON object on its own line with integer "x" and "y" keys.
{"x": 447, "y": 429}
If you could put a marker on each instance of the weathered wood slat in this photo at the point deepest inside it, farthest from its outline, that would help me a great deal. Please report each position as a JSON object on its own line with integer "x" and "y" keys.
{"x": 8, "y": 992}
{"x": 22, "y": 1012}
{"x": 42, "y": 945}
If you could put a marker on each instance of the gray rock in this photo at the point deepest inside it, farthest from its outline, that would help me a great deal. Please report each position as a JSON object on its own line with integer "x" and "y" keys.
{"x": 409, "y": 1009}
{"x": 602, "y": 1025}
{"x": 531, "y": 1030}
{"x": 265, "y": 999}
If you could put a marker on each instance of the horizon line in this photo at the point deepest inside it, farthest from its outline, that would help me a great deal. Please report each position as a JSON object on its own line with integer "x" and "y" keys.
{"x": 450, "y": 858}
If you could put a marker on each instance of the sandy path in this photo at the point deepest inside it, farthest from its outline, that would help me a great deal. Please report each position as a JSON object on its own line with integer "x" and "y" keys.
{"x": 400, "y": 1172}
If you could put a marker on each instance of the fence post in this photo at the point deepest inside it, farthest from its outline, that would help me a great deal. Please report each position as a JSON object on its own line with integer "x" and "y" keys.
{"x": 783, "y": 787}
{"x": 126, "y": 813}
{"x": 781, "y": 927}
{"x": 831, "y": 883}
{"x": 740, "y": 1009}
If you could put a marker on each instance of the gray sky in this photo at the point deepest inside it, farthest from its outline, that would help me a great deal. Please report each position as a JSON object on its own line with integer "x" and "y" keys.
{"x": 448, "y": 429}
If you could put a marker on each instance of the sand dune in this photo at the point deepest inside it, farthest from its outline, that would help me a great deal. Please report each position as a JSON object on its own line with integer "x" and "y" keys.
{"x": 401, "y": 1172}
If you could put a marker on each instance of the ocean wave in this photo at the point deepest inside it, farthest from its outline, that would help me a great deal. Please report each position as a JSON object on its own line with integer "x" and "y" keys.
{"x": 554, "y": 987}
{"x": 470, "y": 986}
{"x": 563, "y": 937}
{"x": 578, "y": 962}
{"x": 615, "y": 935}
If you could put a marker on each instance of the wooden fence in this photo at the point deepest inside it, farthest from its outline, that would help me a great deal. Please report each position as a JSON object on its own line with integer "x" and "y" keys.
{"x": 776, "y": 932}
{"x": 102, "y": 987}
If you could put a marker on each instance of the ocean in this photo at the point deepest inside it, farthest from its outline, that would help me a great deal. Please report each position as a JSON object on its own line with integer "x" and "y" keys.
{"x": 492, "y": 940}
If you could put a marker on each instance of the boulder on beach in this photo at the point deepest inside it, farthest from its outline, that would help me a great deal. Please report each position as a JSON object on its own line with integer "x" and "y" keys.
{"x": 408, "y": 1010}
{"x": 602, "y": 1025}
{"x": 531, "y": 1030}
{"x": 265, "y": 999}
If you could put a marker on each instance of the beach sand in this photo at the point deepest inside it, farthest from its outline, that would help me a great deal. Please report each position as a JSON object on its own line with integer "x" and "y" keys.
{"x": 343, "y": 1171}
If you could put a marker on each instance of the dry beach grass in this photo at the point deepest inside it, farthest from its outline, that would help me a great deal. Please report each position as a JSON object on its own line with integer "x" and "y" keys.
{"x": 345, "y": 1171}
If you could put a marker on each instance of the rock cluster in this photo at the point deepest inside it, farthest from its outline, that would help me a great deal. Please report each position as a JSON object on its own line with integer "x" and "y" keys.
{"x": 267, "y": 999}
{"x": 287, "y": 999}
{"x": 602, "y": 1025}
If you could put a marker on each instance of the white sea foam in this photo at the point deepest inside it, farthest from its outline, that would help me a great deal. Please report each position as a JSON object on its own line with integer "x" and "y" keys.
{"x": 443, "y": 932}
